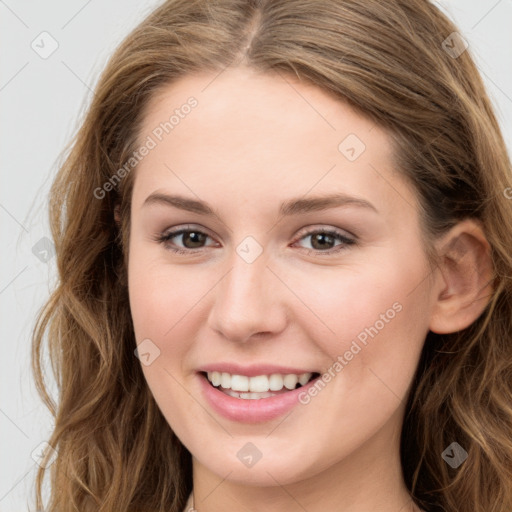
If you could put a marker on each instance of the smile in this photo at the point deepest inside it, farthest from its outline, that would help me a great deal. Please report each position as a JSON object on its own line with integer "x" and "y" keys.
{"x": 278, "y": 393}
{"x": 257, "y": 387}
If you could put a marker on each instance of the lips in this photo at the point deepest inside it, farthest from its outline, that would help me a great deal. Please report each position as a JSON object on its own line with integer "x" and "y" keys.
{"x": 248, "y": 410}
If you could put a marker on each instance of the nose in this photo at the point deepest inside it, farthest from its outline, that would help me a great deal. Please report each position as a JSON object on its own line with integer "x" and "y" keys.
{"x": 248, "y": 302}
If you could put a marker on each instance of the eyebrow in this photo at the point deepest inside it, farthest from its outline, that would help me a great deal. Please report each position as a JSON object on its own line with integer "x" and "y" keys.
{"x": 297, "y": 206}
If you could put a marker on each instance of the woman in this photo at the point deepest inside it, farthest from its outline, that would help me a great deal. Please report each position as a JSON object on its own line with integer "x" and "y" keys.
{"x": 211, "y": 351}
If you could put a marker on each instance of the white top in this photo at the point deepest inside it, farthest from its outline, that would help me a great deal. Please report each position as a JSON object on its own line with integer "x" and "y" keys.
{"x": 188, "y": 505}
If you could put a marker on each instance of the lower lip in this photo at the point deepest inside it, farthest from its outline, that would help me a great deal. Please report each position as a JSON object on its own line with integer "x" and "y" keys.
{"x": 251, "y": 411}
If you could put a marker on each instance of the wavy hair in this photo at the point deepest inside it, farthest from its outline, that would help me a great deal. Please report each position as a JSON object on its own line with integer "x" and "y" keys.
{"x": 115, "y": 450}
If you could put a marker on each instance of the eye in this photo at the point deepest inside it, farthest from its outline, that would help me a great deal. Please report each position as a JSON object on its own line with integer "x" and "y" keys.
{"x": 322, "y": 241}
{"x": 190, "y": 238}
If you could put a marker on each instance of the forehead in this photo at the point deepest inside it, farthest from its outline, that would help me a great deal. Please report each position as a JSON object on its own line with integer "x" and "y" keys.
{"x": 266, "y": 135}
{"x": 248, "y": 103}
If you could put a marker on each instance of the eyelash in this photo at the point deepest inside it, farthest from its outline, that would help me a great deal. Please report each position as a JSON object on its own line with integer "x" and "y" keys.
{"x": 165, "y": 238}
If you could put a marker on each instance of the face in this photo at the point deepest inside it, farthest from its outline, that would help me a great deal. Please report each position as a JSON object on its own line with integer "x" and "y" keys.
{"x": 246, "y": 276}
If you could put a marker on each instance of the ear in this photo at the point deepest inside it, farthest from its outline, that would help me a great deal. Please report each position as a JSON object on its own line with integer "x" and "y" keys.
{"x": 464, "y": 278}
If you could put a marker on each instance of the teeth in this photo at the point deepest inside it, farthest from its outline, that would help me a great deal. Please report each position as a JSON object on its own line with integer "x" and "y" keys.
{"x": 290, "y": 381}
{"x": 240, "y": 383}
{"x": 214, "y": 378}
{"x": 225, "y": 380}
{"x": 304, "y": 378}
{"x": 259, "y": 384}
{"x": 275, "y": 382}
{"x": 248, "y": 396}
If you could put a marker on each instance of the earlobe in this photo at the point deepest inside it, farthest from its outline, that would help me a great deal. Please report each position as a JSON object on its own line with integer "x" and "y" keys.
{"x": 464, "y": 278}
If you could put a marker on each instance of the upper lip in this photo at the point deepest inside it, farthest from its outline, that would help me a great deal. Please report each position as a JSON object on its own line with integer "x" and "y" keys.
{"x": 253, "y": 370}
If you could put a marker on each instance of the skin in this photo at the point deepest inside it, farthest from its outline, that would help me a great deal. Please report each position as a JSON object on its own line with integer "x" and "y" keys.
{"x": 253, "y": 142}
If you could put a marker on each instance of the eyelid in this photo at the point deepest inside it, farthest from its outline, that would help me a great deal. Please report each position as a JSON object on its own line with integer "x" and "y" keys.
{"x": 179, "y": 230}
{"x": 337, "y": 233}
{"x": 176, "y": 230}
{"x": 314, "y": 228}
{"x": 347, "y": 239}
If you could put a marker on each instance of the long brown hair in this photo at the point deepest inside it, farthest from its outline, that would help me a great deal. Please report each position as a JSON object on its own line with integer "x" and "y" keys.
{"x": 390, "y": 61}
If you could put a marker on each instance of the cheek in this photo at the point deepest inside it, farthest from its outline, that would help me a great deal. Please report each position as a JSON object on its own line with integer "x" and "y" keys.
{"x": 374, "y": 317}
{"x": 371, "y": 312}
{"x": 160, "y": 294}
{"x": 161, "y": 302}
{"x": 337, "y": 305}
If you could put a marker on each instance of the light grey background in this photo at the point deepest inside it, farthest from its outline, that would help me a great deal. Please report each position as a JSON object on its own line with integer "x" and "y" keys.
{"x": 42, "y": 101}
